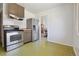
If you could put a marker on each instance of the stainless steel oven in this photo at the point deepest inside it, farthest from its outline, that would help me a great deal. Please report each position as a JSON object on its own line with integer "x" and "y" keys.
{"x": 13, "y": 37}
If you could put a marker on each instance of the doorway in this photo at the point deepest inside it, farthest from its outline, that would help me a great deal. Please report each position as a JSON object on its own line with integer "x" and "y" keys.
{"x": 44, "y": 30}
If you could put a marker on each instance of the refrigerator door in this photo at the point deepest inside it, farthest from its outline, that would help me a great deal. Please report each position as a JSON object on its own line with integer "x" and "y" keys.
{"x": 35, "y": 30}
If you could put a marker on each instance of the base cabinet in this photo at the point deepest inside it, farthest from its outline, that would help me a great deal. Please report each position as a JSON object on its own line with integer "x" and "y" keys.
{"x": 27, "y": 36}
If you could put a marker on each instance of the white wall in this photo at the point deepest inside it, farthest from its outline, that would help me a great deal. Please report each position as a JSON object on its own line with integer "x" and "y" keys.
{"x": 76, "y": 34}
{"x": 9, "y": 21}
{"x": 60, "y": 24}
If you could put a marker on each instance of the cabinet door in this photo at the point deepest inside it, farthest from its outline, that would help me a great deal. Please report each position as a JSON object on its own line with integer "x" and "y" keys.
{"x": 27, "y": 36}
{"x": 20, "y": 11}
{"x": 12, "y": 8}
{"x": 29, "y": 23}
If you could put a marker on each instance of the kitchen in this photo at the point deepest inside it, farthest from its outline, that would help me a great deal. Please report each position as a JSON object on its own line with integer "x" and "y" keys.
{"x": 19, "y": 26}
{"x": 21, "y": 29}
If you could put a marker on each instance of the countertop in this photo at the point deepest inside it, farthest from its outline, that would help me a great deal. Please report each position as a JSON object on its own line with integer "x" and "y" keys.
{"x": 11, "y": 30}
{"x": 24, "y": 29}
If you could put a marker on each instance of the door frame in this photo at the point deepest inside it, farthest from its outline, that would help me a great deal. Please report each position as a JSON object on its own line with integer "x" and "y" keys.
{"x": 40, "y": 27}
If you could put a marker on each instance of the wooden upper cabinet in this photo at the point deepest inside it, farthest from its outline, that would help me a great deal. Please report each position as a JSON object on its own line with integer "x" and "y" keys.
{"x": 21, "y": 12}
{"x": 12, "y": 8}
{"x": 16, "y": 10}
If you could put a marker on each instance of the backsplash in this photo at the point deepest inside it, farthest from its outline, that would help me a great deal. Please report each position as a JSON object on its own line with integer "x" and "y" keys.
{"x": 8, "y": 22}
{"x": 13, "y": 22}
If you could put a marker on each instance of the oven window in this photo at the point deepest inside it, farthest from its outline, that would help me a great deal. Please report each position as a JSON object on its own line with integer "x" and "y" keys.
{"x": 15, "y": 37}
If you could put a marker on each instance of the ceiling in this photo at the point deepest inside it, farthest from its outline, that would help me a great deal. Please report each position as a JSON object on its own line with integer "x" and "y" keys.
{"x": 38, "y": 7}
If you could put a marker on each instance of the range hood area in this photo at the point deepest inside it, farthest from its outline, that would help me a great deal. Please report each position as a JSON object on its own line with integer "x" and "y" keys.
{"x": 15, "y": 17}
{"x": 15, "y": 11}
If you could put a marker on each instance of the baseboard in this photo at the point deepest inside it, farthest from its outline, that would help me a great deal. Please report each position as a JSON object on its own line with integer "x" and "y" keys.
{"x": 75, "y": 50}
{"x": 60, "y": 43}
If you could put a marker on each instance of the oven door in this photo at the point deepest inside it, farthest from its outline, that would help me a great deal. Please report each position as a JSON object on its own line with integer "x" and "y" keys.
{"x": 13, "y": 37}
